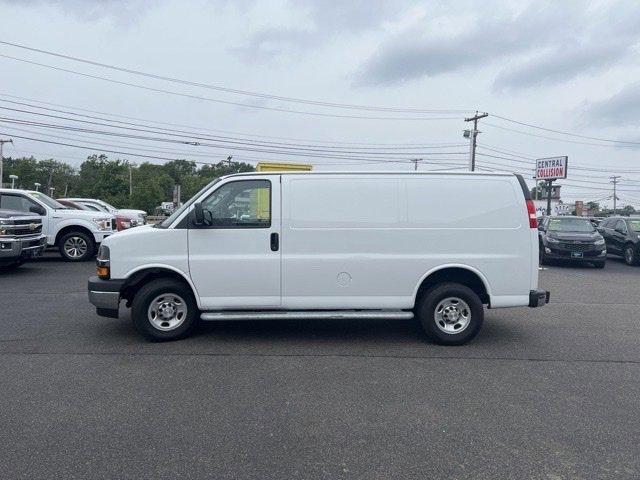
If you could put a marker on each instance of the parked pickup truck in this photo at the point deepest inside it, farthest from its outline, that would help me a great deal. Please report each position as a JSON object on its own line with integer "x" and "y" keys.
{"x": 21, "y": 238}
{"x": 76, "y": 233}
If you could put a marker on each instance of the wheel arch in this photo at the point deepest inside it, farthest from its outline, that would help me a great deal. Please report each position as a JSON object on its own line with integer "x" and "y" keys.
{"x": 74, "y": 228}
{"x": 455, "y": 273}
{"x": 138, "y": 277}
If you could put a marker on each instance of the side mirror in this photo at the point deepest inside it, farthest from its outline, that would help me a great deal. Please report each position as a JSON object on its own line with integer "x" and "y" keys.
{"x": 199, "y": 214}
{"x": 37, "y": 209}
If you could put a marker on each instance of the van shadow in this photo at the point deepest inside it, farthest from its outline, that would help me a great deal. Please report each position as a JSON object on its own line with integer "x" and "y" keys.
{"x": 320, "y": 333}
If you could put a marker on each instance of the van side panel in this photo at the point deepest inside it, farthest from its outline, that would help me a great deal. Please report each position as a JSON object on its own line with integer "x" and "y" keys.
{"x": 367, "y": 241}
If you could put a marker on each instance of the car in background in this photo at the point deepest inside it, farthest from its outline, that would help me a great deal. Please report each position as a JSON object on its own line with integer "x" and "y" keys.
{"x": 21, "y": 238}
{"x": 137, "y": 217}
{"x": 622, "y": 236}
{"x": 122, "y": 222}
{"x": 76, "y": 233}
{"x": 571, "y": 238}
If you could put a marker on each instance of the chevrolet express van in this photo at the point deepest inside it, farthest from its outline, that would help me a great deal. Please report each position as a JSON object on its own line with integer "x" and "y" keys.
{"x": 432, "y": 246}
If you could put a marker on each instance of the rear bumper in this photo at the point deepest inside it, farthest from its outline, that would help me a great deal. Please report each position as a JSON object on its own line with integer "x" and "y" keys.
{"x": 538, "y": 298}
{"x": 105, "y": 295}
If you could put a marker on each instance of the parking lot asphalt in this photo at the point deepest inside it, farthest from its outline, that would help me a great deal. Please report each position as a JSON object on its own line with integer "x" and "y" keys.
{"x": 549, "y": 393}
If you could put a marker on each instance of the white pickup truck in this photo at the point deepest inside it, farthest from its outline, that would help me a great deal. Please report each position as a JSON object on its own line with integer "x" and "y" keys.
{"x": 76, "y": 233}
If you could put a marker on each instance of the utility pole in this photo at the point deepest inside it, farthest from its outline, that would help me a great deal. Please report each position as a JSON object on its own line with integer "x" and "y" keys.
{"x": 2, "y": 142}
{"x": 472, "y": 138}
{"x": 549, "y": 185}
{"x": 614, "y": 180}
{"x": 415, "y": 163}
{"x": 229, "y": 160}
{"x": 130, "y": 182}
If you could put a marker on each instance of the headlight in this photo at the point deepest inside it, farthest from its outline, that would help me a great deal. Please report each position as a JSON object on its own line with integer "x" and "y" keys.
{"x": 102, "y": 224}
{"x": 600, "y": 241}
{"x": 552, "y": 240}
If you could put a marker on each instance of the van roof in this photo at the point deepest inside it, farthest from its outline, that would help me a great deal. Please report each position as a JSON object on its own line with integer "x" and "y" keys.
{"x": 378, "y": 172}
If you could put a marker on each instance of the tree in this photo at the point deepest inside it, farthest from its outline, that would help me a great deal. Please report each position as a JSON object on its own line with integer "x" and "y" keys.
{"x": 593, "y": 206}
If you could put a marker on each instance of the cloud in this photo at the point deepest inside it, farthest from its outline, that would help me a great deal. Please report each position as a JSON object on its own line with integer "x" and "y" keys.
{"x": 621, "y": 109}
{"x": 561, "y": 64}
{"x": 544, "y": 44}
{"x": 420, "y": 52}
{"x": 124, "y": 11}
{"x": 314, "y": 22}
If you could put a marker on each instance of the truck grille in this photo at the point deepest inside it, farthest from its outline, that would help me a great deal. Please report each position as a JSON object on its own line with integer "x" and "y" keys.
{"x": 22, "y": 228}
{"x": 577, "y": 246}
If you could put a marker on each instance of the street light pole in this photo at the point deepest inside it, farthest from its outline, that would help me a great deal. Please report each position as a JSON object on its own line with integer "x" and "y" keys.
{"x": 2, "y": 142}
{"x": 13, "y": 181}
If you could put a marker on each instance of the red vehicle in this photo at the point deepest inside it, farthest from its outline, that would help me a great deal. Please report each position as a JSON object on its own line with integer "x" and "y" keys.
{"x": 122, "y": 222}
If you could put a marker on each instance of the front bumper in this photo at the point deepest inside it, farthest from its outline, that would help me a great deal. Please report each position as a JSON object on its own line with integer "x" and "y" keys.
{"x": 105, "y": 295}
{"x": 22, "y": 247}
{"x": 577, "y": 253}
{"x": 539, "y": 298}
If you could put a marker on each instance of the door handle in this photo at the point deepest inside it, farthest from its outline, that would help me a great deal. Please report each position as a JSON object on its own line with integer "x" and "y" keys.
{"x": 275, "y": 242}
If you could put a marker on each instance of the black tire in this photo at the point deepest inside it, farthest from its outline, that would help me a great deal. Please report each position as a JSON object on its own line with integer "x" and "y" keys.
{"x": 80, "y": 239}
{"x": 164, "y": 287}
{"x": 630, "y": 255}
{"x": 426, "y": 313}
{"x": 599, "y": 264}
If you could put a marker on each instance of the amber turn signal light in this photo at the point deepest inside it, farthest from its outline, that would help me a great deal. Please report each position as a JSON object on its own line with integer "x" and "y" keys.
{"x": 103, "y": 272}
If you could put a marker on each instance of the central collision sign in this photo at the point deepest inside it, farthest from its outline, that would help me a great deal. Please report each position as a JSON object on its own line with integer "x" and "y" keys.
{"x": 551, "y": 168}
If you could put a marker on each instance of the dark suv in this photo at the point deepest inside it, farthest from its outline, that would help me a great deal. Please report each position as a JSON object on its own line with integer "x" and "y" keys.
{"x": 571, "y": 238}
{"x": 623, "y": 237}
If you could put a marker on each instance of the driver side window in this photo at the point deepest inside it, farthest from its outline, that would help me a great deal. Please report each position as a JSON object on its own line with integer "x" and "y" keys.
{"x": 239, "y": 204}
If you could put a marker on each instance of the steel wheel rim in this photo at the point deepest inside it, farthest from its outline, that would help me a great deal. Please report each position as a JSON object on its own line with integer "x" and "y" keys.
{"x": 75, "y": 247}
{"x": 167, "y": 312}
{"x": 452, "y": 315}
{"x": 628, "y": 255}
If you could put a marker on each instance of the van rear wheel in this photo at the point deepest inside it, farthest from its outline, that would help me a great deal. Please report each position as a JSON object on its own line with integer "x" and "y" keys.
{"x": 164, "y": 310}
{"x": 450, "y": 313}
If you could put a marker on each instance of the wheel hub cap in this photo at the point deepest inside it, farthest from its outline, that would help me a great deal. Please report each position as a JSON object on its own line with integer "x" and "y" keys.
{"x": 452, "y": 315}
{"x": 167, "y": 311}
{"x": 75, "y": 247}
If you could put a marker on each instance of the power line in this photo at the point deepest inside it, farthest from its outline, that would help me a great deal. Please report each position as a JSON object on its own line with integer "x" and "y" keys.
{"x": 172, "y": 131}
{"x": 290, "y": 139}
{"x": 556, "y": 138}
{"x": 232, "y": 90}
{"x": 600, "y": 139}
{"x": 226, "y": 102}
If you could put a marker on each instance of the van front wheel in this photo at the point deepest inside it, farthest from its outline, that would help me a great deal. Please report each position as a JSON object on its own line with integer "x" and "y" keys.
{"x": 163, "y": 310}
{"x": 450, "y": 313}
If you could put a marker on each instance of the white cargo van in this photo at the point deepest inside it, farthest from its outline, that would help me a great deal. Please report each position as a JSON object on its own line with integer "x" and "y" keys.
{"x": 435, "y": 246}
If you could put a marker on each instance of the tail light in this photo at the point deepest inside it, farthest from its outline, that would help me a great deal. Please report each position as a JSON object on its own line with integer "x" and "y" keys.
{"x": 531, "y": 211}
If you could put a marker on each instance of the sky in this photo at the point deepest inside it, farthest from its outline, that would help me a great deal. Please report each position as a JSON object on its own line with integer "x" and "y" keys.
{"x": 570, "y": 66}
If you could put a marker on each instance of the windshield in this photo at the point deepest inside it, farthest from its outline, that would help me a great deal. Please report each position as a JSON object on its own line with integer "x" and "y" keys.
{"x": 108, "y": 207}
{"x": 634, "y": 225}
{"x": 48, "y": 201}
{"x": 570, "y": 225}
{"x": 96, "y": 207}
{"x": 169, "y": 220}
